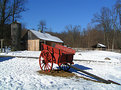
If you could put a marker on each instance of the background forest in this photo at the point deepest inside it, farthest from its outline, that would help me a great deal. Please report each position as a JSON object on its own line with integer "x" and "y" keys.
{"x": 105, "y": 26}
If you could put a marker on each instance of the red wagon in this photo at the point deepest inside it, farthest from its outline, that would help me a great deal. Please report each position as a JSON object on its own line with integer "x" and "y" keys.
{"x": 62, "y": 56}
{"x": 57, "y": 54}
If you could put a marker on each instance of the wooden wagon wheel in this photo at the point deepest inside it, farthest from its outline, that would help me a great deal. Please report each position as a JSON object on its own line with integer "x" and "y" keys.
{"x": 64, "y": 67}
{"x": 46, "y": 61}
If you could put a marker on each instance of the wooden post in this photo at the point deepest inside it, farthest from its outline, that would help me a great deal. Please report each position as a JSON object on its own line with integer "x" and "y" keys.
{"x": 2, "y": 45}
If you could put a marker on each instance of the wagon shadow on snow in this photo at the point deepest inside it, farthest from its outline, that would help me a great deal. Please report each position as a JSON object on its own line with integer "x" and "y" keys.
{"x": 80, "y": 73}
{"x": 80, "y": 67}
{"x": 5, "y": 58}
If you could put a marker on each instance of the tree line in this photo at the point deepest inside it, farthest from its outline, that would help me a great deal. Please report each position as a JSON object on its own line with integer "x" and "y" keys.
{"x": 105, "y": 28}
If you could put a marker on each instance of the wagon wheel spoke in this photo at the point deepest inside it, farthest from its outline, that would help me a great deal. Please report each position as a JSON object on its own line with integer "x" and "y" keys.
{"x": 48, "y": 65}
{"x": 45, "y": 67}
{"x": 42, "y": 65}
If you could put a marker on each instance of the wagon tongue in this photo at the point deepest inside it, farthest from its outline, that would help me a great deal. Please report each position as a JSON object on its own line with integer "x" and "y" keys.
{"x": 96, "y": 77}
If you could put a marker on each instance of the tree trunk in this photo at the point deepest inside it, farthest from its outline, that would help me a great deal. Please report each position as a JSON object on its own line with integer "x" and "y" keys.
{"x": 3, "y": 13}
{"x": 120, "y": 18}
{"x": 1, "y": 45}
{"x": 13, "y": 11}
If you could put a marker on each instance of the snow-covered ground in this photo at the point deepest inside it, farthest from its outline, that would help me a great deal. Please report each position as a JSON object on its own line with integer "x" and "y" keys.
{"x": 98, "y": 56}
{"x": 21, "y": 73}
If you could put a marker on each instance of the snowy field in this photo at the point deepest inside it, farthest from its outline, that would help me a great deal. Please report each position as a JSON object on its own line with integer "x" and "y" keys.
{"x": 21, "y": 73}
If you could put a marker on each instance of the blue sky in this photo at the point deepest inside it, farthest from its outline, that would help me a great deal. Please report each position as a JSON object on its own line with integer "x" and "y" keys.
{"x": 59, "y": 13}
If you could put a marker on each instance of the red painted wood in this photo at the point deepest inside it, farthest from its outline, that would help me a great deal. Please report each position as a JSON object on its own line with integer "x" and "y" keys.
{"x": 57, "y": 54}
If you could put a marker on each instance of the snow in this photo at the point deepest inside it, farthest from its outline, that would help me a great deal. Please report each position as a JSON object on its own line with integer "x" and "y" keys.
{"x": 23, "y": 53}
{"x": 98, "y": 56}
{"x": 21, "y": 73}
{"x": 101, "y": 45}
{"x": 46, "y": 36}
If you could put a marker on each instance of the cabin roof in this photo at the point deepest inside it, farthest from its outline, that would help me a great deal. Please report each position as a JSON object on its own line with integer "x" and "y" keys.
{"x": 46, "y": 36}
{"x": 99, "y": 45}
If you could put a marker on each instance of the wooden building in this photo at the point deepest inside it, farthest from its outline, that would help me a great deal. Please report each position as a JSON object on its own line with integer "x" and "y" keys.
{"x": 99, "y": 46}
{"x": 11, "y": 35}
{"x": 22, "y": 39}
{"x": 32, "y": 40}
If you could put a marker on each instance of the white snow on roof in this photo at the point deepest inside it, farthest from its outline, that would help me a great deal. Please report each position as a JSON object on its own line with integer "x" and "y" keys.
{"x": 46, "y": 36}
{"x": 100, "y": 45}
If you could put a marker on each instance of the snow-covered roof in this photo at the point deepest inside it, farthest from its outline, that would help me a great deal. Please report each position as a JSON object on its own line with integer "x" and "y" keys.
{"x": 101, "y": 45}
{"x": 46, "y": 36}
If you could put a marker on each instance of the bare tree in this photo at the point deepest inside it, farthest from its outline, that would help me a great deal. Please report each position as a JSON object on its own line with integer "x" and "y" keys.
{"x": 5, "y": 11}
{"x": 104, "y": 19}
{"x": 18, "y": 7}
{"x": 42, "y": 26}
{"x": 114, "y": 25}
{"x": 118, "y": 9}
{"x": 71, "y": 36}
{"x": 10, "y": 9}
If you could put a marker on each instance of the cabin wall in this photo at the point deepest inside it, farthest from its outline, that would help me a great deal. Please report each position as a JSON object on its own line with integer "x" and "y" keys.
{"x": 34, "y": 45}
{"x": 31, "y": 36}
{"x": 24, "y": 40}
